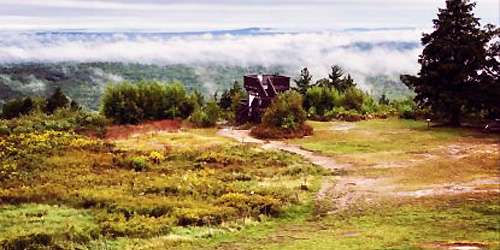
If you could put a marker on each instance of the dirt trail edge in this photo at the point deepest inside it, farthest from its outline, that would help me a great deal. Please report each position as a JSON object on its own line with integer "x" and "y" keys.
{"x": 345, "y": 191}
{"x": 338, "y": 193}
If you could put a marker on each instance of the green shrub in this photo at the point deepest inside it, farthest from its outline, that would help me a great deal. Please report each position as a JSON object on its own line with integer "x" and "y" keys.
{"x": 206, "y": 116}
{"x": 61, "y": 120}
{"x": 286, "y": 112}
{"x": 204, "y": 215}
{"x": 353, "y": 99}
{"x": 139, "y": 163}
{"x": 284, "y": 118}
{"x": 17, "y": 107}
{"x": 56, "y": 101}
{"x": 251, "y": 205}
{"x": 318, "y": 100}
{"x": 128, "y": 103}
{"x": 136, "y": 226}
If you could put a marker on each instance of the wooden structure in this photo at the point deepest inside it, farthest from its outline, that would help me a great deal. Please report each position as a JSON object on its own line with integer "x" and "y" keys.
{"x": 261, "y": 89}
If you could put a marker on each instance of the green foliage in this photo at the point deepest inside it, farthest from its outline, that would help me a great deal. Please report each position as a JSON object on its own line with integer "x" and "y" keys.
{"x": 22, "y": 154}
{"x": 458, "y": 73}
{"x": 353, "y": 99}
{"x": 337, "y": 81}
{"x": 231, "y": 96}
{"x": 324, "y": 103}
{"x": 251, "y": 205}
{"x": 61, "y": 120}
{"x": 383, "y": 100}
{"x": 206, "y": 116}
{"x": 32, "y": 226}
{"x": 303, "y": 82}
{"x": 17, "y": 107}
{"x": 319, "y": 100}
{"x": 56, "y": 101}
{"x": 285, "y": 112}
{"x": 133, "y": 103}
{"x": 136, "y": 226}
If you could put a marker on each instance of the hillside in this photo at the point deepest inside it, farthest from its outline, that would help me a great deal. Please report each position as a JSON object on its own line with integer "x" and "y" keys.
{"x": 85, "y": 82}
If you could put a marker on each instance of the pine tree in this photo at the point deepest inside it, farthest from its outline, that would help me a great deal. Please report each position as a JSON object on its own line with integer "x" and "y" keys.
{"x": 335, "y": 77}
{"x": 453, "y": 56}
{"x": 56, "y": 100}
{"x": 346, "y": 83}
{"x": 303, "y": 82}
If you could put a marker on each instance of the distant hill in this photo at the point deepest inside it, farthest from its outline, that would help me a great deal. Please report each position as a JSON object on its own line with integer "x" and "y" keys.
{"x": 85, "y": 82}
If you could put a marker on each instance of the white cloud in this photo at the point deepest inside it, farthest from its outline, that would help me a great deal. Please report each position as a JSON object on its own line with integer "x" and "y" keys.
{"x": 318, "y": 51}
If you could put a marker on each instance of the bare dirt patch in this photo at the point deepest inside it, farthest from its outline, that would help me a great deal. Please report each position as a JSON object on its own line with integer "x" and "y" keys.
{"x": 343, "y": 127}
{"x": 125, "y": 131}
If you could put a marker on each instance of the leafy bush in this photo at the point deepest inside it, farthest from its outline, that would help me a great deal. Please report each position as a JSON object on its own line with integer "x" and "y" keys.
{"x": 353, "y": 99}
{"x": 56, "y": 101}
{"x": 128, "y": 103}
{"x": 251, "y": 205}
{"x": 319, "y": 100}
{"x": 285, "y": 112}
{"x": 206, "y": 116}
{"x": 61, "y": 120}
{"x": 17, "y": 107}
{"x": 137, "y": 226}
{"x": 284, "y": 118}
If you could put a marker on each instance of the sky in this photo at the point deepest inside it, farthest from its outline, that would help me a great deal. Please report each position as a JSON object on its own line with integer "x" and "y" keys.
{"x": 304, "y": 33}
{"x": 199, "y": 15}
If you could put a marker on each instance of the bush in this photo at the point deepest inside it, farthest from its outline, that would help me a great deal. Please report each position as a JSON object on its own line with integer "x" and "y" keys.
{"x": 61, "y": 120}
{"x": 140, "y": 226}
{"x": 251, "y": 205}
{"x": 139, "y": 163}
{"x": 285, "y": 112}
{"x": 206, "y": 116}
{"x": 56, "y": 101}
{"x": 284, "y": 118}
{"x": 127, "y": 103}
{"x": 17, "y": 107}
{"x": 318, "y": 100}
{"x": 353, "y": 99}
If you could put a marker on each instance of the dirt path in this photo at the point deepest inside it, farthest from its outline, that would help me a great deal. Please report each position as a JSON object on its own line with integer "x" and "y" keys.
{"x": 345, "y": 191}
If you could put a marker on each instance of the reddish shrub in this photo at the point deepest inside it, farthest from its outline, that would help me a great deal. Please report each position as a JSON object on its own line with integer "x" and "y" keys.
{"x": 265, "y": 132}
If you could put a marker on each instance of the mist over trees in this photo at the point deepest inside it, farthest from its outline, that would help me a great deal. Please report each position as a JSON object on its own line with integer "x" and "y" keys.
{"x": 459, "y": 72}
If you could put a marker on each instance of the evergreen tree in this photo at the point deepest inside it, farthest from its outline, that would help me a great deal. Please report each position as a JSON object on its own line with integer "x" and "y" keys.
{"x": 56, "y": 100}
{"x": 346, "y": 83}
{"x": 231, "y": 98}
{"x": 335, "y": 77}
{"x": 323, "y": 82}
{"x": 453, "y": 57}
{"x": 303, "y": 82}
{"x": 383, "y": 100}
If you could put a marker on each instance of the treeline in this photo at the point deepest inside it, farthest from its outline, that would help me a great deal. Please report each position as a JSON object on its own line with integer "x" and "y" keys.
{"x": 339, "y": 97}
{"x": 25, "y": 105}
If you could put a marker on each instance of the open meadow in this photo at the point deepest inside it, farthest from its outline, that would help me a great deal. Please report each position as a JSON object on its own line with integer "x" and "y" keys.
{"x": 391, "y": 184}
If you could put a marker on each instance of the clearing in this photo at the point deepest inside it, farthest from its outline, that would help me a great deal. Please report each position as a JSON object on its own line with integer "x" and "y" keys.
{"x": 382, "y": 184}
{"x": 395, "y": 167}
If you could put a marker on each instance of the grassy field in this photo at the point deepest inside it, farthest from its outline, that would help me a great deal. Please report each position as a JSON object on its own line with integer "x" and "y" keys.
{"x": 407, "y": 151}
{"x": 155, "y": 190}
{"x": 195, "y": 190}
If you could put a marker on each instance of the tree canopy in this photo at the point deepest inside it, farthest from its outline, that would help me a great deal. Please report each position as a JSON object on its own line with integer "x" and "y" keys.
{"x": 459, "y": 67}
